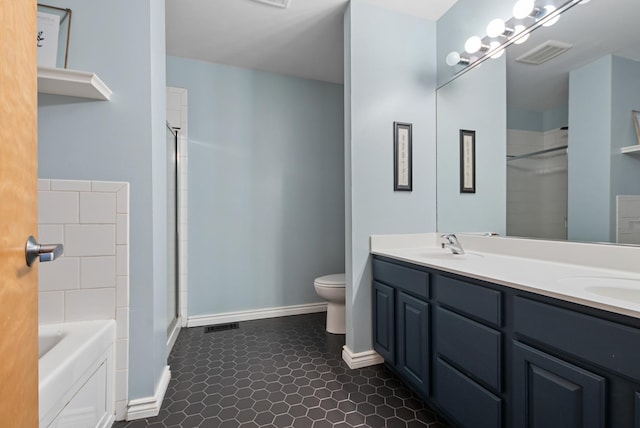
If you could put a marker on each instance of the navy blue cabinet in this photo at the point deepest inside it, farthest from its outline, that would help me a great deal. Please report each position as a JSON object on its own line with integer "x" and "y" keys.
{"x": 413, "y": 341}
{"x": 384, "y": 321}
{"x": 552, "y": 393}
{"x": 490, "y": 356}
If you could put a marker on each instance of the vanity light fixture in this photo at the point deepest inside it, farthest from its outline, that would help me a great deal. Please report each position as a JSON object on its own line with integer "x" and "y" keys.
{"x": 501, "y": 33}
{"x": 517, "y": 30}
{"x": 474, "y": 44}
{"x": 454, "y": 58}
{"x": 497, "y": 28}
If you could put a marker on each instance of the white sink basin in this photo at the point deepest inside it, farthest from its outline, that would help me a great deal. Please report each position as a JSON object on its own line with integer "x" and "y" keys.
{"x": 619, "y": 288}
{"x": 601, "y": 282}
{"x": 448, "y": 255}
{"x": 626, "y": 294}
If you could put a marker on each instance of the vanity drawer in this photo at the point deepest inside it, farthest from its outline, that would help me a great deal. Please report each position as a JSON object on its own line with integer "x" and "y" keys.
{"x": 475, "y": 300}
{"x": 411, "y": 280}
{"x": 469, "y": 404}
{"x": 473, "y": 347}
{"x": 605, "y": 343}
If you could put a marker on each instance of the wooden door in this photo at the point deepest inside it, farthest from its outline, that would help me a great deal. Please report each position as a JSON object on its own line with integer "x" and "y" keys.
{"x": 18, "y": 214}
{"x": 384, "y": 321}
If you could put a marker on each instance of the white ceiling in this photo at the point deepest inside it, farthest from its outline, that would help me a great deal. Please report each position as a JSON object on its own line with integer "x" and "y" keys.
{"x": 595, "y": 29}
{"x": 305, "y": 40}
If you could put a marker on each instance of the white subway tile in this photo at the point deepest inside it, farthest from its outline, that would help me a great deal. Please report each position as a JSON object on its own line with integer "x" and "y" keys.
{"x": 122, "y": 354}
{"x": 122, "y": 229}
{"x": 57, "y": 207}
{"x": 44, "y": 184}
{"x": 123, "y": 200}
{"x": 50, "y": 307}
{"x": 122, "y": 291}
{"x": 51, "y": 234}
{"x": 90, "y": 240}
{"x": 121, "y": 384}
{"x": 122, "y": 323}
{"x": 90, "y": 304}
{"x": 61, "y": 274}
{"x": 122, "y": 260}
{"x": 71, "y": 185}
{"x": 106, "y": 186}
{"x": 97, "y": 207}
{"x": 97, "y": 272}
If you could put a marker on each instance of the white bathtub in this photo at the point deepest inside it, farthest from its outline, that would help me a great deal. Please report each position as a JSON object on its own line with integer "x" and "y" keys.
{"x": 76, "y": 374}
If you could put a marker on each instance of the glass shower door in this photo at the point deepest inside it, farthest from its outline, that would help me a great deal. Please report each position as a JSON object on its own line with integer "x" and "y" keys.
{"x": 172, "y": 228}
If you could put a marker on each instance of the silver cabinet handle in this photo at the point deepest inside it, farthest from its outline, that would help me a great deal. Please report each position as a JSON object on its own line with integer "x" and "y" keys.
{"x": 45, "y": 252}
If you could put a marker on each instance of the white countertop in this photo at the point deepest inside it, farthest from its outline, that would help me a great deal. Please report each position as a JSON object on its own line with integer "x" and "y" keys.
{"x": 613, "y": 290}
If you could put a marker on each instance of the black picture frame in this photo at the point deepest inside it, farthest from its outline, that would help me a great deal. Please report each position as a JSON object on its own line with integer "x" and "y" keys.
{"x": 467, "y": 161}
{"x": 402, "y": 156}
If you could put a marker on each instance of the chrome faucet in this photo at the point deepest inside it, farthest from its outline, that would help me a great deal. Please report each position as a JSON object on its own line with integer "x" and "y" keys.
{"x": 452, "y": 243}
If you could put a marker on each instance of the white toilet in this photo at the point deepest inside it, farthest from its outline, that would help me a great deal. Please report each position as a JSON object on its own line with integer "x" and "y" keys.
{"x": 331, "y": 288}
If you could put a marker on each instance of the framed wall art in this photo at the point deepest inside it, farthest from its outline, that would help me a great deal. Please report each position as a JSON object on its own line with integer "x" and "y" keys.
{"x": 467, "y": 161}
{"x": 402, "y": 157}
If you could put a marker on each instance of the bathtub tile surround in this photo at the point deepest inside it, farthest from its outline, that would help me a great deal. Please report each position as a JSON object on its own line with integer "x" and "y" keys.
{"x": 91, "y": 280}
{"x": 280, "y": 372}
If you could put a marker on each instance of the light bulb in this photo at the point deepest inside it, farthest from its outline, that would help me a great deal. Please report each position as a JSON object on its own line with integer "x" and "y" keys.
{"x": 473, "y": 44}
{"x": 497, "y": 54}
{"x": 547, "y": 11}
{"x": 517, "y": 30}
{"x": 496, "y": 28}
{"x": 453, "y": 58}
{"x": 523, "y": 8}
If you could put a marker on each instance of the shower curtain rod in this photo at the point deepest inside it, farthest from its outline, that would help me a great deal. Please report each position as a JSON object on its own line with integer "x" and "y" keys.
{"x": 540, "y": 152}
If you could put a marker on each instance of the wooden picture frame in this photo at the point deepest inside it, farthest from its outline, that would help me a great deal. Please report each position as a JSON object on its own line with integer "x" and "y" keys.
{"x": 402, "y": 156}
{"x": 467, "y": 161}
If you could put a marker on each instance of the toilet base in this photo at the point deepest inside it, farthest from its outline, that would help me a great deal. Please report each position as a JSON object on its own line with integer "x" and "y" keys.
{"x": 335, "y": 318}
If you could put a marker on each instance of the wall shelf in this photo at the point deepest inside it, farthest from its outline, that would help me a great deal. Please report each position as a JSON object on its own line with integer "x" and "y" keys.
{"x": 72, "y": 83}
{"x": 631, "y": 150}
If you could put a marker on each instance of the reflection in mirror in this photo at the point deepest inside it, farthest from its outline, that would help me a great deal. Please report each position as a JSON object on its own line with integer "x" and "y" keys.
{"x": 572, "y": 168}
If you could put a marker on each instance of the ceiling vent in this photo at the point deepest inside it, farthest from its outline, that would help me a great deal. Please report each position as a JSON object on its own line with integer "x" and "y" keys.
{"x": 277, "y": 3}
{"x": 543, "y": 53}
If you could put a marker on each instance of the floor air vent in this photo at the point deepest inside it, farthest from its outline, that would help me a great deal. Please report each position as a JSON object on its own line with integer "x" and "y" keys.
{"x": 221, "y": 327}
{"x": 543, "y": 53}
{"x": 278, "y": 3}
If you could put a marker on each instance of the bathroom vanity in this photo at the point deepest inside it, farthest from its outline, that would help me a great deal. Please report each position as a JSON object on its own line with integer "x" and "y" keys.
{"x": 498, "y": 353}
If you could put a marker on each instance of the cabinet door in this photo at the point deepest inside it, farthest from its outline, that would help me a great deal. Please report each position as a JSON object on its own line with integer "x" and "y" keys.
{"x": 413, "y": 341}
{"x": 549, "y": 392}
{"x": 384, "y": 321}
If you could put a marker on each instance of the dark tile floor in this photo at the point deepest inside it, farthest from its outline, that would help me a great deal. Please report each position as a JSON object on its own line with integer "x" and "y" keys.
{"x": 281, "y": 372}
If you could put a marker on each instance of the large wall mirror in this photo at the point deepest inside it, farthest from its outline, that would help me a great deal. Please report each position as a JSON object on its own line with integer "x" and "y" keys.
{"x": 555, "y": 139}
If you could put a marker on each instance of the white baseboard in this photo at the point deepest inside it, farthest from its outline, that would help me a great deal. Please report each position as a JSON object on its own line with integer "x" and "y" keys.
{"x": 360, "y": 359}
{"x": 149, "y": 407}
{"x": 255, "y": 314}
{"x": 173, "y": 335}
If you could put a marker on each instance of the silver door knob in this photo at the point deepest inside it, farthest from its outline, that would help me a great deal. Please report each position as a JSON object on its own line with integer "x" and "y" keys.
{"x": 45, "y": 252}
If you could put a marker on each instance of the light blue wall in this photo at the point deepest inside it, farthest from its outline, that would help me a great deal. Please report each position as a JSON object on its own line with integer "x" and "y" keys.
{"x": 266, "y": 186}
{"x": 540, "y": 121}
{"x": 525, "y": 120}
{"x": 475, "y": 101}
{"x": 121, "y": 41}
{"x": 390, "y": 76}
{"x": 555, "y": 118}
{"x": 589, "y": 160}
{"x": 625, "y": 169}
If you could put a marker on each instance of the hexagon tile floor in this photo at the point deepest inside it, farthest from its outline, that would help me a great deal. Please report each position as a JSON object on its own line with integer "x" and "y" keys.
{"x": 280, "y": 372}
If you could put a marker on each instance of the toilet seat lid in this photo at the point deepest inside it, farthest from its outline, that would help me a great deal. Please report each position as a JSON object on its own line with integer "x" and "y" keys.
{"x": 335, "y": 280}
